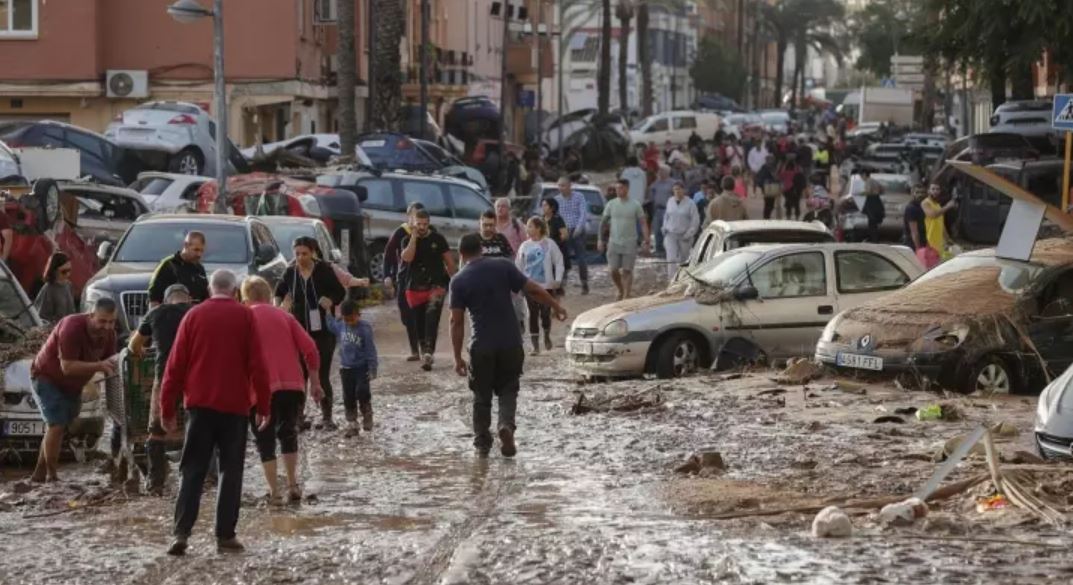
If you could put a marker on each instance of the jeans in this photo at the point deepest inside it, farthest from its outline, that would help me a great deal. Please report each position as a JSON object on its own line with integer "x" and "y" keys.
{"x": 325, "y": 341}
{"x": 406, "y": 315}
{"x": 793, "y": 205}
{"x": 494, "y": 373}
{"x": 576, "y": 245}
{"x": 427, "y": 323}
{"x": 356, "y": 390}
{"x": 286, "y": 408}
{"x": 770, "y": 203}
{"x": 207, "y": 431}
{"x": 539, "y": 315}
{"x": 657, "y": 228}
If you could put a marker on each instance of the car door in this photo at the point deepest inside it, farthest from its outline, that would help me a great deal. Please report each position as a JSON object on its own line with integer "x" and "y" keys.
{"x": 327, "y": 244}
{"x": 273, "y": 270}
{"x": 683, "y": 127}
{"x": 862, "y": 275}
{"x": 658, "y": 131}
{"x": 467, "y": 205}
{"x": 384, "y": 205}
{"x": 793, "y": 305}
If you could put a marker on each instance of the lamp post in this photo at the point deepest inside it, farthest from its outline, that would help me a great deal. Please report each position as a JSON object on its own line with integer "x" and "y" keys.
{"x": 188, "y": 11}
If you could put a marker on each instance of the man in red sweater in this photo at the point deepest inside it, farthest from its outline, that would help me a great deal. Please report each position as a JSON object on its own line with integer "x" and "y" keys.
{"x": 218, "y": 367}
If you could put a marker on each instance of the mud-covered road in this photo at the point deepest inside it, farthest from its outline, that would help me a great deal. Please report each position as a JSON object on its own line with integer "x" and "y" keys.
{"x": 589, "y": 499}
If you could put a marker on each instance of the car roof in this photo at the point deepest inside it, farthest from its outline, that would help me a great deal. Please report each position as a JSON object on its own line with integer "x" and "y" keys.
{"x": 759, "y": 225}
{"x": 834, "y": 246}
{"x": 208, "y": 219}
{"x": 58, "y": 124}
{"x": 1024, "y": 106}
{"x": 173, "y": 176}
{"x": 289, "y": 220}
{"x": 884, "y": 176}
{"x": 577, "y": 186}
{"x": 1049, "y": 252}
{"x": 1027, "y": 163}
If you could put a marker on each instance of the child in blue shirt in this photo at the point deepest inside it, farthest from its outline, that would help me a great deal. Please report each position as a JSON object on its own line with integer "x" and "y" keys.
{"x": 358, "y": 361}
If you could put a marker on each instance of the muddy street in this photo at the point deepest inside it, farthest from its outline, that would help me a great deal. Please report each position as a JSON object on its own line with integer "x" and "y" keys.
{"x": 590, "y": 498}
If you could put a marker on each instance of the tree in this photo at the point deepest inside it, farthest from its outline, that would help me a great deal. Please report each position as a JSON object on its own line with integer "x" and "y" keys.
{"x": 348, "y": 77}
{"x": 603, "y": 71}
{"x": 644, "y": 58}
{"x": 624, "y": 12}
{"x": 797, "y": 21}
{"x": 387, "y": 60}
{"x": 883, "y": 29}
{"x": 718, "y": 69}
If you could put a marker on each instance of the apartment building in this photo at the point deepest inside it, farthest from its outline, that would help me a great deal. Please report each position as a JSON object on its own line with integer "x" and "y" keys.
{"x": 57, "y": 59}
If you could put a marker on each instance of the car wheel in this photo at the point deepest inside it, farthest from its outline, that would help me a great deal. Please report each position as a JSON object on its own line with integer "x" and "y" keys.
{"x": 990, "y": 376}
{"x": 679, "y": 355}
{"x": 187, "y": 162}
{"x": 376, "y": 261}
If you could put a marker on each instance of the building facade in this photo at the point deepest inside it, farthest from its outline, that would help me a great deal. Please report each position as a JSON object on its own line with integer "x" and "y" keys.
{"x": 280, "y": 70}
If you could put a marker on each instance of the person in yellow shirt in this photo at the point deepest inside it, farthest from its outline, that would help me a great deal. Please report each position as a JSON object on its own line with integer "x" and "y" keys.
{"x": 934, "y": 220}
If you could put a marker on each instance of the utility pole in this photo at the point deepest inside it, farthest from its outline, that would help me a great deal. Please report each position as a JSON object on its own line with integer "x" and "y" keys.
{"x": 562, "y": 58}
{"x": 540, "y": 72}
{"x": 425, "y": 9}
{"x": 370, "y": 34}
{"x": 503, "y": 93}
{"x": 220, "y": 89}
{"x": 674, "y": 62}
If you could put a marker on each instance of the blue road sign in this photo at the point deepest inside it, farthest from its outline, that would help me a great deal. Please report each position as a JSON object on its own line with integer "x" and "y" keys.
{"x": 1062, "y": 111}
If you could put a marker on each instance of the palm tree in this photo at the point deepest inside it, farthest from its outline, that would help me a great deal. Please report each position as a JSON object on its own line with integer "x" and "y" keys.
{"x": 603, "y": 71}
{"x": 348, "y": 77}
{"x": 796, "y": 21}
{"x": 643, "y": 58}
{"x": 387, "y": 62}
{"x": 822, "y": 42}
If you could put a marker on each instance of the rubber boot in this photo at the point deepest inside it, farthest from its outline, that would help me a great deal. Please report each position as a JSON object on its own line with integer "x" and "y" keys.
{"x": 158, "y": 466}
{"x": 367, "y": 416}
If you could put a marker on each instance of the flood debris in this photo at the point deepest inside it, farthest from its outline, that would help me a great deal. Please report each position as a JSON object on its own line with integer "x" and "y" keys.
{"x": 702, "y": 463}
{"x": 26, "y": 347}
{"x": 799, "y": 372}
{"x": 832, "y": 522}
{"x": 903, "y": 513}
{"x": 648, "y": 398}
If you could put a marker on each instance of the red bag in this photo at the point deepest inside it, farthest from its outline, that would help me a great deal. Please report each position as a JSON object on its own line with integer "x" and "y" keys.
{"x": 928, "y": 257}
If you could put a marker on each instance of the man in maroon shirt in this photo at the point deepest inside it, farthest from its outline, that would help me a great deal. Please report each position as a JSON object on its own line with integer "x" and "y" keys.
{"x": 217, "y": 365}
{"x": 77, "y": 348}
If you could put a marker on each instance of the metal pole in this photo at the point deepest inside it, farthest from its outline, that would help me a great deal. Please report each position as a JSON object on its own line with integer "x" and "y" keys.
{"x": 1065, "y": 172}
{"x": 540, "y": 73}
{"x": 425, "y": 9}
{"x": 220, "y": 90}
{"x": 674, "y": 61}
{"x": 503, "y": 93}
{"x": 562, "y": 58}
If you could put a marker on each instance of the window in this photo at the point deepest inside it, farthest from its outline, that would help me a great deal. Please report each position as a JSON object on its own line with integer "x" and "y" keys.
{"x": 190, "y": 193}
{"x": 704, "y": 247}
{"x": 659, "y": 125}
{"x": 262, "y": 236}
{"x": 381, "y": 195}
{"x": 428, "y": 194}
{"x": 324, "y": 11}
{"x": 18, "y": 19}
{"x": 151, "y": 185}
{"x": 795, "y": 275}
{"x": 86, "y": 144}
{"x": 685, "y": 123}
{"x": 468, "y": 204}
{"x": 860, "y": 272}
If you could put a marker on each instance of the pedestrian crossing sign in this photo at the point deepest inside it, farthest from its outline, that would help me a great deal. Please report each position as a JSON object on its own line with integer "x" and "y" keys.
{"x": 1062, "y": 117}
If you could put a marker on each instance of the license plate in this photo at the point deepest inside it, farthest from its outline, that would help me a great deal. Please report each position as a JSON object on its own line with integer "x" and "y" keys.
{"x": 373, "y": 144}
{"x": 861, "y": 362}
{"x": 22, "y": 428}
{"x": 582, "y": 347}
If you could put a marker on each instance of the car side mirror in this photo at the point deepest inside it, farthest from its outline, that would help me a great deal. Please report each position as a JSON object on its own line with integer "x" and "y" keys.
{"x": 265, "y": 254}
{"x": 746, "y": 292}
{"x": 104, "y": 252}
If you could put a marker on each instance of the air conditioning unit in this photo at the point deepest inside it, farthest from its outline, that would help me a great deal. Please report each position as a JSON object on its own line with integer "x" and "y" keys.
{"x": 127, "y": 83}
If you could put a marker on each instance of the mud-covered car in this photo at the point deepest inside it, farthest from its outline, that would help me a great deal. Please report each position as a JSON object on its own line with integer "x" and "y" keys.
{"x": 1054, "y": 419}
{"x": 974, "y": 323}
{"x": 21, "y": 332}
{"x": 766, "y": 302}
{"x": 721, "y": 236}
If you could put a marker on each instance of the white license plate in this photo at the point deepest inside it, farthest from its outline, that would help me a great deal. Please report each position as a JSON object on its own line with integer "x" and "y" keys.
{"x": 861, "y": 362}
{"x": 582, "y": 347}
{"x": 373, "y": 144}
{"x": 23, "y": 428}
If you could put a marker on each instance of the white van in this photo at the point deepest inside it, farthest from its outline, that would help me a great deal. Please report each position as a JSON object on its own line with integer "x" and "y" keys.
{"x": 676, "y": 127}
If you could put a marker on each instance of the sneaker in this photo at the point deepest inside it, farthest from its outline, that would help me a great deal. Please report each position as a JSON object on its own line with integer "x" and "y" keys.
{"x": 367, "y": 419}
{"x": 547, "y": 341}
{"x": 229, "y": 545}
{"x": 413, "y": 358}
{"x": 535, "y": 351}
{"x": 328, "y": 425}
{"x": 178, "y": 547}
{"x": 506, "y": 440}
{"x": 427, "y": 362}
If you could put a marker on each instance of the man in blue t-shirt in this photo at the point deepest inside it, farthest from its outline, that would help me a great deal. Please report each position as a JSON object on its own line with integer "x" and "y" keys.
{"x": 484, "y": 288}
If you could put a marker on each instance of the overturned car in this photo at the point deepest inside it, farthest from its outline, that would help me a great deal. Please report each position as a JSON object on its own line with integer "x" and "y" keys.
{"x": 975, "y": 323}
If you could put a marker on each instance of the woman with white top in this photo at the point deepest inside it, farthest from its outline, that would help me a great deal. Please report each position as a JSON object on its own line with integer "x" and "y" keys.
{"x": 539, "y": 259}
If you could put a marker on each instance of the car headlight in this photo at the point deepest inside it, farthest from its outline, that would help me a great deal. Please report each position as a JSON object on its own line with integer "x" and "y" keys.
{"x": 616, "y": 328}
{"x": 92, "y": 295}
{"x": 952, "y": 337}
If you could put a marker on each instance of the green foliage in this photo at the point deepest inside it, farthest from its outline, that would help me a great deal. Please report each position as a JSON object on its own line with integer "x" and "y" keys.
{"x": 883, "y": 29}
{"x": 718, "y": 69}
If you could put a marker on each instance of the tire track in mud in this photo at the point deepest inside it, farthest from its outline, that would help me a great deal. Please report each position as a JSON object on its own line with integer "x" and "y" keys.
{"x": 435, "y": 569}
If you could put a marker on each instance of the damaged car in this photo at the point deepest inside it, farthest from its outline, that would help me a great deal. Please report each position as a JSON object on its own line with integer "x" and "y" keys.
{"x": 977, "y": 323}
{"x": 762, "y": 302}
{"x": 1054, "y": 419}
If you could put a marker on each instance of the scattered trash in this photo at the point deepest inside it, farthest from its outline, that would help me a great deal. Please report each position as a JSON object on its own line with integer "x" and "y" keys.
{"x": 799, "y": 372}
{"x": 771, "y": 392}
{"x": 831, "y": 522}
{"x": 649, "y": 398}
{"x": 1024, "y": 458}
{"x": 702, "y": 461}
{"x": 903, "y": 513}
{"x": 944, "y": 411}
{"x": 930, "y": 412}
{"x": 990, "y": 504}
{"x": 906, "y": 410}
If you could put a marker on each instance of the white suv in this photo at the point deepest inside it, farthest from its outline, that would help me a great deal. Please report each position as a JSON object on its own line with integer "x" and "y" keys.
{"x": 176, "y": 136}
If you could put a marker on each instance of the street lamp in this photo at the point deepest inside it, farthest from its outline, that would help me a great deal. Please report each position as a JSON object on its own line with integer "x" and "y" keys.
{"x": 186, "y": 12}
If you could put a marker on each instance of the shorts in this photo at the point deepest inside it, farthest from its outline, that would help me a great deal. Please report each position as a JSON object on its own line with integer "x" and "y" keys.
{"x": 621, "y": 260}
{"x": 416, "y": 298}
{"x": 58, "y": 408}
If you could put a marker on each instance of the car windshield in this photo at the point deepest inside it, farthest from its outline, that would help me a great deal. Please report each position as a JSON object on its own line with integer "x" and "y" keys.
{"x": 286, "y": 233}
{"x": 724, "y": 268}
{"x": 1013, "y": 276}
{"x": 152, "y": 242}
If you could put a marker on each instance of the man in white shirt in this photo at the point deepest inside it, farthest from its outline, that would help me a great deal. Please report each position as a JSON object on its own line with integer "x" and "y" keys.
{"x": 638, "y": 179}
{"x": 757, "y": 156}
{"x": 680, "y": 223}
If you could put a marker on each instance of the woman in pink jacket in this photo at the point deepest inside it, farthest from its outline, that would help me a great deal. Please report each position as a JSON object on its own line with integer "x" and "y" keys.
{"x": 283, "y": 340}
